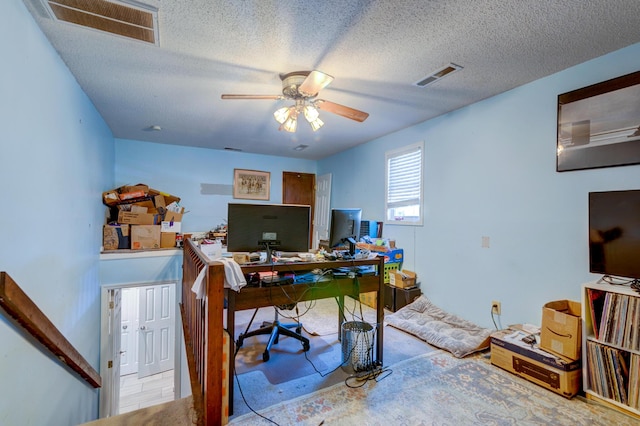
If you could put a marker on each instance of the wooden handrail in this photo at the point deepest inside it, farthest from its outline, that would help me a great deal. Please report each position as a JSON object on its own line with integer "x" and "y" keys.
{"x": 203, "y": 328}
{"x": 27, "y": 314}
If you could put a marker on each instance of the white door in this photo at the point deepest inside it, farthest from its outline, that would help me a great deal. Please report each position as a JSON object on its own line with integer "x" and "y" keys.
{"x": 114, "y": 350}
{"x": 323, "y": 209}
{"x": 157, "y": 329}
{"x": 129, "y": 331}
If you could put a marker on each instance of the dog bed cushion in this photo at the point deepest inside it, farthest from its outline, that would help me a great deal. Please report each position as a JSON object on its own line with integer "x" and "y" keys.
{"x": 441, "y": 329}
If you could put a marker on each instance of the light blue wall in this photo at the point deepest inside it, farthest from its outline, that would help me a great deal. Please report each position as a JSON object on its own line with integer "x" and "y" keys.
{"x": 130, "y": 270}
{"x": 57, "y": 155}
{"x": 184, "y": 171}
{"x": 490, "y": 171}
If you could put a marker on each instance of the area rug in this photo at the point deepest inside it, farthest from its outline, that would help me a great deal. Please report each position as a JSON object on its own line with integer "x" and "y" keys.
{"x": 314, "y": 321}
{"x": 437, "y": 389}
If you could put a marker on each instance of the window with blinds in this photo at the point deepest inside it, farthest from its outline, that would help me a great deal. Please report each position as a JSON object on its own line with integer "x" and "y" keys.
{"x": 403, "y": 204}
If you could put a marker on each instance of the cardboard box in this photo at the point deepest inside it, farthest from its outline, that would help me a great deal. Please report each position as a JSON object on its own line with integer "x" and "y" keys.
{"x": 402, "y": 279}
{"x": 510, "y": 353}
{"x": 115, "y": 237}
{"x": 145, "y": 203}
{"x": 172, "y": 217}
{"x": 394, "y": 256}
{"x": 561, "y": 329}
{"x": 380, "y": 245}
{"x": 168, "y": 198}
{"x": 135, "y": 208}
{"x": 241, "y": 258}
{"x": 133, "y": 218}
{"x": 116, "y": 196}
{"x": 175, "y": 227}
{"x": 110, "y": 198}
{"x": 145, "y": 237}
{"x": 369, "y": 299}
{"x": 168, "y": 239}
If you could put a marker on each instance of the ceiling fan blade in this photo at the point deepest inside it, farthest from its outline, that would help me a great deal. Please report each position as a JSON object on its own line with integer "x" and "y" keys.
{"x": 272, "y": 97}
{"x": 315, "y": 81}
{"x": 342, "y": 110}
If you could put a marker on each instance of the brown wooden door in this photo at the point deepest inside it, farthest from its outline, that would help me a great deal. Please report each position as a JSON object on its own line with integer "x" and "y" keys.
{"x": 300, "y": 188}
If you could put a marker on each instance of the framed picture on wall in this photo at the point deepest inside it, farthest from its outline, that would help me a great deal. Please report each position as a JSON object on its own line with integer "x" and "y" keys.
{"x": 251, "y": 184}
{"x": 599, "y": 125}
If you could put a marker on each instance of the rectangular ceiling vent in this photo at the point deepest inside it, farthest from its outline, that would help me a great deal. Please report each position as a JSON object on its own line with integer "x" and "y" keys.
{"x": 129, "y": 19}
{"x": 437, "y": 75}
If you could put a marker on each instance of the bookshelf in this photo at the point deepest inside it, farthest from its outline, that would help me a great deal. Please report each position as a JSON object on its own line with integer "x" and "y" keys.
{"x": 611, "y": 345}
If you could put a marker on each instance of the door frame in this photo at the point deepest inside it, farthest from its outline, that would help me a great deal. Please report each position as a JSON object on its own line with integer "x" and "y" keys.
{"x": 105, "y": 405}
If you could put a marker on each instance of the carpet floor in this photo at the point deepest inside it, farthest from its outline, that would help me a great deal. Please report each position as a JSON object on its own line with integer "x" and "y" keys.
{"x": 437, "y": 389}
{"x": 290, "y": 372}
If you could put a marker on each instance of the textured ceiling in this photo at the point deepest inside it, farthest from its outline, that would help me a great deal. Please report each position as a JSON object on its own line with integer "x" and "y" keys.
{"x": 375, "y": 50}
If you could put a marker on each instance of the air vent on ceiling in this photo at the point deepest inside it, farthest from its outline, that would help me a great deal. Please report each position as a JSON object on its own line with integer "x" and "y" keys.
{"x": 437, "y": 75}
{"x": 228, "y": 148}
{"x": 122, "y": 18}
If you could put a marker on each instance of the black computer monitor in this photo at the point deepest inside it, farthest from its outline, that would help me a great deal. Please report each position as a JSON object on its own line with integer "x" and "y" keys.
{"x": 267, "y": 227}
{"x": 345, "y": 228}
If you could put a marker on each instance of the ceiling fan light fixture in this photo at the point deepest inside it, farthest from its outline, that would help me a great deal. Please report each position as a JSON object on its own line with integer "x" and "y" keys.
{"x": 316, "y": 124}
{"x": 310, "y": 113}
{"x": 281, "y": 114}
{"x": 290, "y": 125}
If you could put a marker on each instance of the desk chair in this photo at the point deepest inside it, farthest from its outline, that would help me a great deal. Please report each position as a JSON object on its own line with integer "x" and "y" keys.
{"x": 274, "y": 330}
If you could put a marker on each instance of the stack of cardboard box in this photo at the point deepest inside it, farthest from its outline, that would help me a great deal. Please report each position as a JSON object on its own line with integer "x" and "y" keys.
{"x": 393, "y": 258}
{"x": 554, "y": 362}
{"x": 402, "y": 289}
{"x": 141, "y": 218}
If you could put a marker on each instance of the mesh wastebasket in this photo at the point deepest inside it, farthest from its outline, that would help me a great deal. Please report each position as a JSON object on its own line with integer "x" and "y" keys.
{"x": 357, "y": 346}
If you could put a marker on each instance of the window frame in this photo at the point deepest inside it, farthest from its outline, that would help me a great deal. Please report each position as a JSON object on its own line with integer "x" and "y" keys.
{"x": 418, "y": 146}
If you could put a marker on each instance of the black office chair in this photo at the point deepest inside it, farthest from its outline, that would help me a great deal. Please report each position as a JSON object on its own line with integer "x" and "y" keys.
{"x": 274, "y": 330}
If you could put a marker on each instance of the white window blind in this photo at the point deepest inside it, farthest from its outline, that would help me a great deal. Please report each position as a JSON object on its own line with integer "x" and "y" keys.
{"x": 404, "y": 185}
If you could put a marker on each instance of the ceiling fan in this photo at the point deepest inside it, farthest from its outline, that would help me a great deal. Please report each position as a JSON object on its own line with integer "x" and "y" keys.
{"x": 302, "y": 87}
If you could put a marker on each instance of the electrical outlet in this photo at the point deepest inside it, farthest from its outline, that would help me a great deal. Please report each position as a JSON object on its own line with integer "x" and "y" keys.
{"x": 496, "y": 307}
{"x": 485, "y": 242}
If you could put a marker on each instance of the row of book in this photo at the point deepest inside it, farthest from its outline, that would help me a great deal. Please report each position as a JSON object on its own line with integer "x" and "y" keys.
{"x": 614, "y": 316}
{"x": 614, "y": 373}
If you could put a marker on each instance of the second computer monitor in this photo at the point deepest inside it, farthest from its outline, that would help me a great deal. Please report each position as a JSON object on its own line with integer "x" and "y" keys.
{"x": 345, "y": 228}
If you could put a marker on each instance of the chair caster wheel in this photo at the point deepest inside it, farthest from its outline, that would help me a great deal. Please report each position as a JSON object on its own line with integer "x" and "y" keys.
{"x": 265, "y": 356}
{"x": 299, "y": 330}
{"x": 239, "y": 342}
{"x": 305, "y": 347}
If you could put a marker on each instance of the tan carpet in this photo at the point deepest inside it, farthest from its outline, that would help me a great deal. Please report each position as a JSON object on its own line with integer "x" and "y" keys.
{"x": 315, "y": 320}
{"x": 438, "y": 389}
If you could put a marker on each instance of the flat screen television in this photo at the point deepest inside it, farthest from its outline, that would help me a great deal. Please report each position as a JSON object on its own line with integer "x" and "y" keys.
{"x": 614, "y": 233}
{"x": 345, "y": 228}
{"x": 266, "y": 227}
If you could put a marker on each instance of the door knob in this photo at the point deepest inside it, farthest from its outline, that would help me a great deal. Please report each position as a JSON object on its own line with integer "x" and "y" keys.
{"x": 124, "y": 327}
{"x": 142, "y": 327}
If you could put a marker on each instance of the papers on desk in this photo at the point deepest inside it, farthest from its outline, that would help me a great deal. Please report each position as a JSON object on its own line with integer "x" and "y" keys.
{"x": 212, "y": 251}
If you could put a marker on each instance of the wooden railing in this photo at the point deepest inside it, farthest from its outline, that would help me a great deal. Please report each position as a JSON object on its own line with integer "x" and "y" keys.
{"x": 203, "y": 331}
{"x": 26, "y": 314}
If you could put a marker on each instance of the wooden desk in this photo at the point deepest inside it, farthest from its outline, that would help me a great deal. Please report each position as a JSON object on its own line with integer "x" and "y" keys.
{"x": 259, "y": 297}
